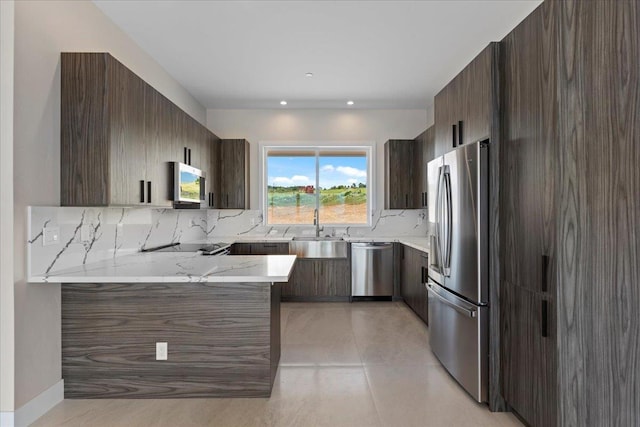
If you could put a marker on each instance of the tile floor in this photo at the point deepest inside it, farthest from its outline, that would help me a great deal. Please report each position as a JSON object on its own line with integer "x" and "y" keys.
{"x": 361, "y": 364}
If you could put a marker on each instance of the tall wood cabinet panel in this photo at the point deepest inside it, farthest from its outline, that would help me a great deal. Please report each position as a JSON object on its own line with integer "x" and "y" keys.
{"x": 234, "y": 174}
{"x": 599, "y": 213}
{"x": 118, "y": 135}
{"x": 529, "y": 216}
{"x": 398, "y": 179}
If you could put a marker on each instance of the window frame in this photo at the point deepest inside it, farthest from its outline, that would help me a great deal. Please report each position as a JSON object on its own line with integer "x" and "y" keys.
{"x": 317, "y": 148}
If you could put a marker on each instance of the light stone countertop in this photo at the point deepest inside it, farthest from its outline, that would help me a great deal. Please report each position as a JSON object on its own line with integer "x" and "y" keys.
{"x": 172, "y": 267}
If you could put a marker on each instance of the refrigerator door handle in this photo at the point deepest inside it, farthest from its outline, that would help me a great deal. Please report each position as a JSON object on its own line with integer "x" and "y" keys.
{"x": 446, "y": 258}
{"x": 461, "y": 310}
{"x": 438, "y": 258}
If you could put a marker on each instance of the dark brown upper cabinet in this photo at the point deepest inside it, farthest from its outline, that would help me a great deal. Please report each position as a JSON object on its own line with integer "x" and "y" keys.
{"x": 234, "y": 174}
{"x": 398, "y": 179}
{"x": 423, "y": 154}
{"x": 463, "y": 109}
{"x": 119, "y": 135}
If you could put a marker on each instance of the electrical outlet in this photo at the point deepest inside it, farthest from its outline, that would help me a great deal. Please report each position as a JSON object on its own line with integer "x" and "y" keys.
{"x": 50, "y": 236}
{"x": 162, "y": 352}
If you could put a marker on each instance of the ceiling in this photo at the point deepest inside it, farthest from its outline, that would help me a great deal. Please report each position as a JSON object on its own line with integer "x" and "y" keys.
{"x": 253, "y": 54}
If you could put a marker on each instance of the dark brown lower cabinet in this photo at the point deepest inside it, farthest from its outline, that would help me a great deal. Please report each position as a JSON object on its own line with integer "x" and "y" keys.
{"x": 278, "y": 248}
{"x": 413, "y": 277}
{"x": 321, "y": 279}
{"x": 528, "y": 354}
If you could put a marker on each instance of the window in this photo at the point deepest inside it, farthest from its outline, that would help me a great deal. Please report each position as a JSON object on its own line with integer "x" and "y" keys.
{"x": 333, "y": 180}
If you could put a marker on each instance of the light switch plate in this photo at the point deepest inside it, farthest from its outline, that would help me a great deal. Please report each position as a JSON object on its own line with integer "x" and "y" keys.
{"x": 162, "y": 352}
{"x": 50, "y": 236}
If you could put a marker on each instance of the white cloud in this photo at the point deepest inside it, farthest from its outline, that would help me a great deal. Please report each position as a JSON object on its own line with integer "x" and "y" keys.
{"x": 349, "y": 171}
{"x": 327, "y": 168}
{"x": 287, "y": 182}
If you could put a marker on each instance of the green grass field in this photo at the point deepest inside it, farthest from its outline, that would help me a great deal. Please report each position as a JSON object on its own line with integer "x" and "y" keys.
{"x": 279, "y": 197}
{"x": 190, "y": 190}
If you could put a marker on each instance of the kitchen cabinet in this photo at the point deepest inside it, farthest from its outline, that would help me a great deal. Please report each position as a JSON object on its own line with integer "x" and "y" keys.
{"x": 423, "y": 154}
{"x": 569, "y": 214}
{"x": 528, "y": 213}
{"x": 316, "y": 279}
{"x": 463, "y": 108}
{"x": 260, "y": 248}
{"x": 213, "y": 175}
{"x": 234, "y": 174}
{"x": 118, "y": 136}
{"x": 398, "y": 178}
{"x": 529, "y": 354}
{"x": 413, "y": 277}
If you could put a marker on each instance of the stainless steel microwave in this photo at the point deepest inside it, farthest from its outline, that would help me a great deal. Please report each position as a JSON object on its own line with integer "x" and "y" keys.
{"x": 188, "y": 183}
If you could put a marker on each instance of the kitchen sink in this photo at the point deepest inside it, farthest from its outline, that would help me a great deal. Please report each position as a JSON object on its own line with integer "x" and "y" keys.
{"x": 318, "y": 247}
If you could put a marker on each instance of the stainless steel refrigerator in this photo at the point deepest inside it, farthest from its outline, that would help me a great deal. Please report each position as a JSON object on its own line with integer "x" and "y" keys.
{"x": 458, "y": 273}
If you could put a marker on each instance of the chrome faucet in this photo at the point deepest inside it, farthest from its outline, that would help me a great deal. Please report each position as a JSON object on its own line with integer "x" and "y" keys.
{"x": 316, "y": 222}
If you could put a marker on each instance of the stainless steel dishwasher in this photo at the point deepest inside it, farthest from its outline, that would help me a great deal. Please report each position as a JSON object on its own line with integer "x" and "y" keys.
{"x": 371, "y": 269}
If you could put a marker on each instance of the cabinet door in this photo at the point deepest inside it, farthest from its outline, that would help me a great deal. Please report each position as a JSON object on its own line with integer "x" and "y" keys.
{"x": 126, "y": 112}
{"x": 399, "y": 174}
{"x": 473, "y": 105}
{"x": 269, "y": 248}
{"x": 332, "y": 278}
{"x": 213, "y": 178}
{"x": 158, "y": 148}
{"x": 445, "y": 103}
{"x": 423, "y": 154}
{"x": 405, "y": 275}
{"x": 528, "y": 354}
{"x": 234, "y": 174}
{"x": 241, "y": 249}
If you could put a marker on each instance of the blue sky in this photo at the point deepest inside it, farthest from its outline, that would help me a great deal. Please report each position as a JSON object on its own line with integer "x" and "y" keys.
{"x": 334, "y": 170}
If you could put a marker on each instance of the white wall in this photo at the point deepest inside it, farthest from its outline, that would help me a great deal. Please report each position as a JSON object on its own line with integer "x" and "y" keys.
{"x": 43, "y": 29}
{"x": 344, "y": 125}
{"x": 6, "y": 208}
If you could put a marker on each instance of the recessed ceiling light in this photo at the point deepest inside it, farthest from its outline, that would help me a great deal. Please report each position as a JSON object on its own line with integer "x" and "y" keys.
{"x": 308, "y": 74}
{"x": 283, "y": 102}
{"x": 349, "y": 102}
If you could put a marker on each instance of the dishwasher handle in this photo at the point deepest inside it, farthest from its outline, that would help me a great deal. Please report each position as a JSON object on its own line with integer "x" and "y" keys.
{"x": 371, "y": 246}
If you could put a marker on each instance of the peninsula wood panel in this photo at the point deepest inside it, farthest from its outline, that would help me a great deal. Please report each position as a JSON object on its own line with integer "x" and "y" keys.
{"x": 219, "y": 339}
{"x": 599, "y": 208}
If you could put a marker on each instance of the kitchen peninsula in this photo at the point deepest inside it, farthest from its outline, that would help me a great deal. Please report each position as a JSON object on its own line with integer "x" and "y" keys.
{"x": 220, "y": 318}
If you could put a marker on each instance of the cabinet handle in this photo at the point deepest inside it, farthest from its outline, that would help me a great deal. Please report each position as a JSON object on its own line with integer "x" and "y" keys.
{"x": 460, "y": 140}
{"x": 406, "y": 200}
{"x": 148, "y": 191}
{"x": 186, "y": 156}
{"x": 422, "y": 275}
{"x": 453, "y": 136}
{"x": 189, "y": 156}
{"x": 213, "y": 200}
{"x": 141, "y": 191}
{"x": 544, "y": 324}
{"x": 545, "y": 272}
{"x": 402, "y": 251}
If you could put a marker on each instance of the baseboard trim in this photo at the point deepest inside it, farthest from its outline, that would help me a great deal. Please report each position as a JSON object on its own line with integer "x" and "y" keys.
{"x": 35, "y": 408}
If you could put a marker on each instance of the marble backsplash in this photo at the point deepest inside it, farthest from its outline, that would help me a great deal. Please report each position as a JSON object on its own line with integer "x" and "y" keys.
{"x": 90, "y": 234}
{"x": 408, "y": 222}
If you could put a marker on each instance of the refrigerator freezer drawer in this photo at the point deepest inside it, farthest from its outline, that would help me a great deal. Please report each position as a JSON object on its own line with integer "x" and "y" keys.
{"x": 459, "y": 339}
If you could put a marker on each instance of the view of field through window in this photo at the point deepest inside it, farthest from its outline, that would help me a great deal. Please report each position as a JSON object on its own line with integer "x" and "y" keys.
{"x": 340, "y": 192}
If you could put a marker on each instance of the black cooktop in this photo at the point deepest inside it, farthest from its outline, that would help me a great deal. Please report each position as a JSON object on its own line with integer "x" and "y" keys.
{"x": 205, "y": 248}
